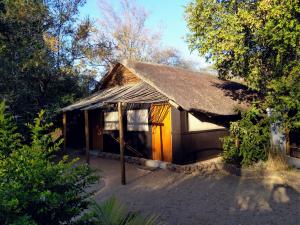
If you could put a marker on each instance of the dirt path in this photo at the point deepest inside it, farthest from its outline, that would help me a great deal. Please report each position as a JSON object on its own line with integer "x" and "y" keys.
{"x": 215, "y": 198}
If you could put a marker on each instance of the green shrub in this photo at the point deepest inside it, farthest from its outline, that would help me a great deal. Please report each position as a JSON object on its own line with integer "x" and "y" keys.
{"x": 9, "y": 138}
{"x": 249, "y": 139}
{"x": 36, "y": 189}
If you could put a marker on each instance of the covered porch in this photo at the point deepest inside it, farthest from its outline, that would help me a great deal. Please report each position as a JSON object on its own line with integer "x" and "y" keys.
{"x": 133, "y": 120}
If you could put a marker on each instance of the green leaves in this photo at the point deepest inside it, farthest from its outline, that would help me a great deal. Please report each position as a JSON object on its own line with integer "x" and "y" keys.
{"x": 35, "y": 187}
{"x": 111, "y": 212}
{"x": 249, "y": 139}
{"x": 41, "y": 43}
{"x": 10, "y": 140}
{"x": 284, "y": 98}
{"x": 249, "y": 39}
{"x": 257, "y": 41}
{"x": 40, "y": 135}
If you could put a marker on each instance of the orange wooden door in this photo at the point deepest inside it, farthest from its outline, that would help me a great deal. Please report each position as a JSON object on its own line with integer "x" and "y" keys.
{"x": 161, "y": 136}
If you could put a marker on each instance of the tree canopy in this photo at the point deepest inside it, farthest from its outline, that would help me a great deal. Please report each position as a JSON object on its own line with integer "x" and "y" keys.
{"x": 257, "y": 41}
{"x": 42, "y": 48}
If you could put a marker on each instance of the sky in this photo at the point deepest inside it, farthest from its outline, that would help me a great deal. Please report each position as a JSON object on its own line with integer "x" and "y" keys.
{"x": 166, "y": 14}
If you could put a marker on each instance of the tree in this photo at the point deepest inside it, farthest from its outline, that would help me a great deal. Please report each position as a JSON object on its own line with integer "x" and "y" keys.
{"x": 131, "y": 38}
{"x": 45, "y": 56}
{"x": 284, "y": 100}
{"x": 35, "y": 188}
{"x": 257, "y": 41}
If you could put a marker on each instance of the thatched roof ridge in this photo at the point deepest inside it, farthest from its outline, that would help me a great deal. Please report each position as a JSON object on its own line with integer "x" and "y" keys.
{"x": 193, "y": 91}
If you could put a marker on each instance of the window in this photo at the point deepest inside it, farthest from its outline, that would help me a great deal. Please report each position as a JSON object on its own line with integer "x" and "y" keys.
{"x": 137, "y": 120}
{"x": 194, "y": 124}
{"x": 111, "y": 121}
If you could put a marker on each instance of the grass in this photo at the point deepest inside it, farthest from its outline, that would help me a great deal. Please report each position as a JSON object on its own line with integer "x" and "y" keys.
{"x": 277, "y": 161}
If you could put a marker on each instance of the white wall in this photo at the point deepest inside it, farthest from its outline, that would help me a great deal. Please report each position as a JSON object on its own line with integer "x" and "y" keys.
{"x": 194, "y": 124}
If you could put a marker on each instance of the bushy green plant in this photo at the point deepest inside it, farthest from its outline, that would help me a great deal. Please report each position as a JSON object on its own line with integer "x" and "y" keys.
{"x": 111, "y": 212}
{"x": 36, "y": 189}
{"x": 9, "y": 139}
{"x": 249, "y": 139}
{"x": 40, "y": 135}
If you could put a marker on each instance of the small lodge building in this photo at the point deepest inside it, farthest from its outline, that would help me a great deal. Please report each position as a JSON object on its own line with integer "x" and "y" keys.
{"x": 167, "y": 113}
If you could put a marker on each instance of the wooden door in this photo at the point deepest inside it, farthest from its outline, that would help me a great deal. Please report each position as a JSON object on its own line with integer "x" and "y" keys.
{"x": 97, "y": 130}
{"x": 161, "y": 136}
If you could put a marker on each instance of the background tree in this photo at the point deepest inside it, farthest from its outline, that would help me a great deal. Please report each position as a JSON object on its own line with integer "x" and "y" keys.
{"x": 257, "y": 41}
{"x": 131, "y": 38}
{"x": 45, "y": 56}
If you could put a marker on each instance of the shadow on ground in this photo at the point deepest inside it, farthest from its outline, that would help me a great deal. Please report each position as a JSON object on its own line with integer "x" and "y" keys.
{"x": 202, "y": 198}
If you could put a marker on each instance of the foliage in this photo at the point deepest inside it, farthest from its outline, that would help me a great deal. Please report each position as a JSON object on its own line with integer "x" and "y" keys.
{"x": 249, "y": 139}
{"x": 111, "y": 212}
{"x": 9, "y": 139}
{"x": 40, "y": 136}
{"x": 257, "y": 41}
{"x": 284, "y": 99}
{"x": 35, "y": 188}
{"x": 42, "y": 46}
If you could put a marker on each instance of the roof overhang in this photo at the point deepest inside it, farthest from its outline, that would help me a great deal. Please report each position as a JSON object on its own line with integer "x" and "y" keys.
{"x": 140, "y": 93}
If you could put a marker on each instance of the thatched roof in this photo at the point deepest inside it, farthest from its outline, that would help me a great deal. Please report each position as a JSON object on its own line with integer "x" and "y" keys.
{"x": 193, "y": 91}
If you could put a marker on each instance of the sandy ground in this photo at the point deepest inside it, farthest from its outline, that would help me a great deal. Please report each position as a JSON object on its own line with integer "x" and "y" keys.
{"x": 202, "y": 198}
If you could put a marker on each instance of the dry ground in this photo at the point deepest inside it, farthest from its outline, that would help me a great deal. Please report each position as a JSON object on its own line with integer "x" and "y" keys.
{"x": 203, "y": 198}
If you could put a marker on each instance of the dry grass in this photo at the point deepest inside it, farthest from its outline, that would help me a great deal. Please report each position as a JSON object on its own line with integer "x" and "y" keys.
{"x": 276, "y": 161}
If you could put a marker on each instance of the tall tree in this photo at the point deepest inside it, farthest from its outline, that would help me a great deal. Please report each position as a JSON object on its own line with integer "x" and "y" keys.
{"x": 131, "y": 38}
{"x": 43, "y": 45}
{"x": 255, "y": 40}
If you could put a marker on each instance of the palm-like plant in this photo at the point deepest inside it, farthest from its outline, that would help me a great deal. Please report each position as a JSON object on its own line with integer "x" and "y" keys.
{"x": 111, "y": 212}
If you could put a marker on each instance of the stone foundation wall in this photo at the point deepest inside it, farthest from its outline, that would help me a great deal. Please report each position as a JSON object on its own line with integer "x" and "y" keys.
{"x": 208, "y": 166}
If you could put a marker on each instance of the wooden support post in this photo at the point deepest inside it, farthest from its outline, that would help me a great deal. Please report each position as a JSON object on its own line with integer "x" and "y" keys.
{"x": 121, "y": 138}
{"x": 87, "y": 136}
{"x": 65, "y": 129}
{"x": 101, "y": 129}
